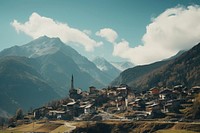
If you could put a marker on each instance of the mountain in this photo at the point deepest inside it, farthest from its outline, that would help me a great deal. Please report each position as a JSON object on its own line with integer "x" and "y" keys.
{"x": 58, "y": 62}
{"x": 21, "y": 86}
{"x": 135, "y": 73}
{"x": 57, "y": 69}
{"x": 106, "y": 67}
{"x": 184, "y": 69}
{"x": 122, "y": 65}
{"x": 176, "y": 55}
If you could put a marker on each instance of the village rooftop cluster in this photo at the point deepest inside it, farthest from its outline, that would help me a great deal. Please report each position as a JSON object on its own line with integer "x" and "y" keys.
{"x": 120, "y": 103}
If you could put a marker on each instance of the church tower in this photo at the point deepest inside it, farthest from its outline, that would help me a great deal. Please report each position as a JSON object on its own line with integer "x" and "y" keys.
{"x": 72, "y": 82}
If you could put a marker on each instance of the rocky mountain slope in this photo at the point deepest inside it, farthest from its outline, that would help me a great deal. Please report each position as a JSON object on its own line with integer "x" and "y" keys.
{"x": 58, "y": 62}
{"x": 135, "y": 73}
{"x": 40, "y": 71}
{"x": 21, "y": 86}
{"x": 185, "y": 69}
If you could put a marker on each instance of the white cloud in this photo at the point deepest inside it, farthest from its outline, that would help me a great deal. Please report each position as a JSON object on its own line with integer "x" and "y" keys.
{"x": 141, "y": 54}
{"x": 174, "y": 30}
{"x": 88, "y": 32}
{"x": 107, "y": 33}
{"x": 38, "y": 26}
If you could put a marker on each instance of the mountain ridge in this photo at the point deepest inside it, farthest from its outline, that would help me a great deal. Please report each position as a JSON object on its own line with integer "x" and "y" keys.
{"x": 20, "y": 84}
{"x": 123, "y": 65}
{"x": 106, "y": 67}
{"x": 45, "y": 46}
{"x": 183, "y": 69}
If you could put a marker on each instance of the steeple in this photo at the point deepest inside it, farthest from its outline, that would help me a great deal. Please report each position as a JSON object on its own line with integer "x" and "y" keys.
{"x": 72, "y": 83}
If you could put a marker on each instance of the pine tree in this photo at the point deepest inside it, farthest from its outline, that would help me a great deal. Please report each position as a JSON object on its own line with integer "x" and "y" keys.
{"x": 19, "y": 114}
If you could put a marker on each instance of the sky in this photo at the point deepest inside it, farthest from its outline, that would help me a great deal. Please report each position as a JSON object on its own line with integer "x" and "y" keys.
{"x": 139, "y": 31}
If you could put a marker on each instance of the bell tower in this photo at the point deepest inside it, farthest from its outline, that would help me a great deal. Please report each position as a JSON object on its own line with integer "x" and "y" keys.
{"x": 72, "y": 82}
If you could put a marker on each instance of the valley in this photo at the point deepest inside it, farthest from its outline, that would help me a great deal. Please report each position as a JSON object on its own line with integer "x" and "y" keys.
{"x": 141, "y": 99}
{"x": 109, "y": 66}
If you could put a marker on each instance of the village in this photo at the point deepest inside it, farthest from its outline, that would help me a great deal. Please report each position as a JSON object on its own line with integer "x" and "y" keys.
{"x": 119, "y": 103}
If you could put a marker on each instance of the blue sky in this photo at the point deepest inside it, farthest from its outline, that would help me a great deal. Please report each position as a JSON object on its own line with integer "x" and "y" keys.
{"x": 128, "y": 18}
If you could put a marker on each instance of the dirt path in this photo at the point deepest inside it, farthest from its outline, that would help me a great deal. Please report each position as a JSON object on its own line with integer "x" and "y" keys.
{"x": 70, "y": 126}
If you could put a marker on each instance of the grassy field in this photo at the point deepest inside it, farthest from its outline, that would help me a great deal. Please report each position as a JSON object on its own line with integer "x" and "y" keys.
{"x": 48, "y": 127}
{"x": 34, "y": 127}
{"x": 3, "y": 131}
{"x": 22, "y": 128}
{"x": 61, "y": 129}
{"x": 60, "y": 126}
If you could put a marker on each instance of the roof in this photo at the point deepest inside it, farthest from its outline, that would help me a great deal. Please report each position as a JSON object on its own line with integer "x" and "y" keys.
{"x": 57, "y": 112}
{"x": 141, "y": 112}
{"x": 165, "y": 91}
{"x": 168, "y": 104}
{"x": 71, "y": 103}
{"x": 152, "y": 105}
{"x": 121, "y": 88}
{"x": 85, "y": 102}
{"x": 49, "y": 107}
{"x": 155, "y": 104}
{"x": 177, "y": 86}
{"x": 148, "y": 103}
{"x": 196, "y": 87}
{"x": 131, "y": 103}
{"x": 88, "y": 106}
{"x": 82, "y": 106}
{"x": 136, "y": 100}
{"x": 153, "y": 88}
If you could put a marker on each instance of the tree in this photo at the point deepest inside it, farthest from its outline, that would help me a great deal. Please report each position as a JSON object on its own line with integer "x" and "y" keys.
{"x": 19, "y": 114}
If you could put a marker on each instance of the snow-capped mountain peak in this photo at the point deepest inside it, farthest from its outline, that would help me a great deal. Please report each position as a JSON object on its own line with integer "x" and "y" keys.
{"x": 106, "y": 67}
{"x": 123, "y": 65}
{"x": 101, "y": 63}
{"x": 43, "y": 46}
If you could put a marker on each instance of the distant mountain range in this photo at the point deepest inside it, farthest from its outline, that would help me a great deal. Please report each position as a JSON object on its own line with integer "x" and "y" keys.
{"x": 44, "y": 67}
{"x": 40, "y": 71}
{"x": 106, "y": 67}
{"x": 122, "y": 65}
{"x": 183, "y": 68}
{"x": 113, "y": 69}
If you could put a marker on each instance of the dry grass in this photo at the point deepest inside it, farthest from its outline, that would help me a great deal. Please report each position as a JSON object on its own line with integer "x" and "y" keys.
{"x": 137, "y": 126}
{"x": 33, "y": 127}
{"x": 6, "y": 131}
{"x": 175, "y": 131}
{"x": 25, "y": 128}
{"x": 61, "y": 129}
{"x": 47, "y": 127}
{"x": 81, "y": 124}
